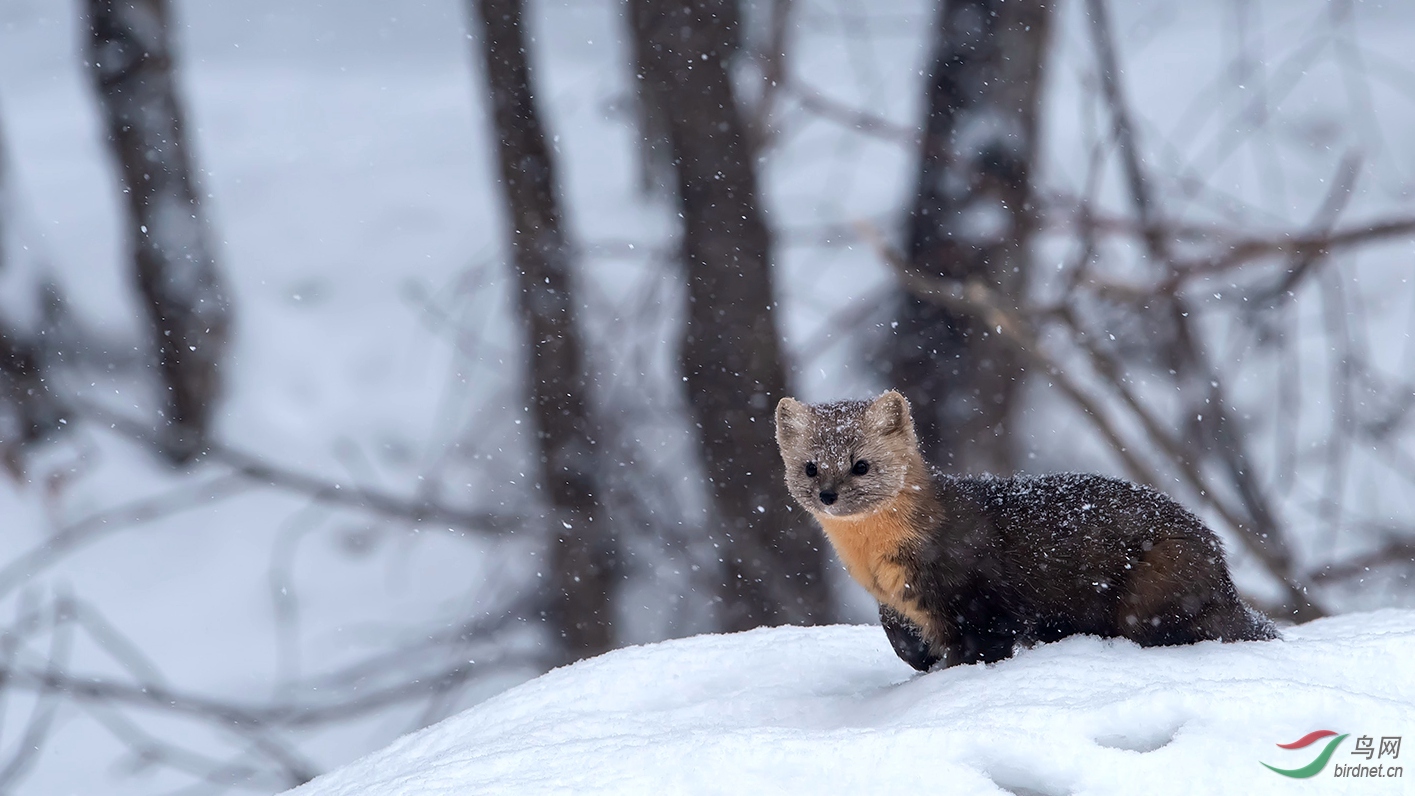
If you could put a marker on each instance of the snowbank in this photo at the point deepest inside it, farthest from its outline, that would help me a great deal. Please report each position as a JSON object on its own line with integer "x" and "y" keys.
{"x": 831, "y": 710}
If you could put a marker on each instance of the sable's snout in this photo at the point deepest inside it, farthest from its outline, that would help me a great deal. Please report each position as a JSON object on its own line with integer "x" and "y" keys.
{"x": 828, "y": 497}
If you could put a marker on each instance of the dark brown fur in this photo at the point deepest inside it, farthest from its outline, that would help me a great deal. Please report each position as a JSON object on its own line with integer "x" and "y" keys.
{"x": 965, "y": 569}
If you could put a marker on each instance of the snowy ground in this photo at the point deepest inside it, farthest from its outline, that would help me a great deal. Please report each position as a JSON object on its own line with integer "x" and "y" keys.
{"x": 831, "y": 710}
{"x": 344, "y": 150}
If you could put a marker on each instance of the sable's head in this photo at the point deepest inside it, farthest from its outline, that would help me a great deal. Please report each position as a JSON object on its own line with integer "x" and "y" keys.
{"x": 846, "y": 458}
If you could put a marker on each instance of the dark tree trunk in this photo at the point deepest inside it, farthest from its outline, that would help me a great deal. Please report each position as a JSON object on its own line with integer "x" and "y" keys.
{"x": 172, "y": 255}
{"x": 972, "y": 219}
{"x": 29, "y": 409}
{"x": 731, "y": 354}
{"x": 655, "y": 149}
{"x": 585, "y": 568}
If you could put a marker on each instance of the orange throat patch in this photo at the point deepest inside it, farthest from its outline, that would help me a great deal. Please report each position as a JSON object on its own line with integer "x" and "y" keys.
{"x": 871, "y": 545}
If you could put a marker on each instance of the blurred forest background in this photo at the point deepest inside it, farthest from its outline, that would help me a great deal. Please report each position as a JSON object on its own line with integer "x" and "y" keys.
{"x": 361, "y": 359}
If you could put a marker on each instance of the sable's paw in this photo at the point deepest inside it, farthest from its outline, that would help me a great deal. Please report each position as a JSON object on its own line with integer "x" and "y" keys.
{"x": 907, "y": 641}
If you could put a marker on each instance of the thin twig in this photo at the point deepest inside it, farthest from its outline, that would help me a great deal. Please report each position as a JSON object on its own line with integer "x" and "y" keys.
{"x": 861, "y": 121}
{"x": 1397, "y": 552}
{"x": 41, "y": 719}
{"x": 255, "y": 468}
{"x": 85, "y": 531}
{"x": 977, "y": 300}
{"x": 1123, "y": 127}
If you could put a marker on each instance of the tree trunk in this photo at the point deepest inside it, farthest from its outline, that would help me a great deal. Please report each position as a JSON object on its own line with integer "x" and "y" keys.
{"x": 585, "y": 568}
{"x": 972, "y": 218}
{"x": 29, "y": 409}
{"x": 172, "y": 255}
{"x": 731, "y": 355}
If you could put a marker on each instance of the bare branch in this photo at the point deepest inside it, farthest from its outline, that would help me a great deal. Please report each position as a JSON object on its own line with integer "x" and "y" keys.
{"x": 83, "y": 532}
{"x": 254, "y": 468}
{"x": 1123, "y": 126}
{"x": 1399, "y": 552}
{"x": 856, "y": 119}
{"x": 978, "y": 300}
{"x": 41, "y": 719}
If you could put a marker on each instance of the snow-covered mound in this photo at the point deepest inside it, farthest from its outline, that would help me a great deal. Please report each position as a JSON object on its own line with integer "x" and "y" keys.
{"x": 831, "y": 710}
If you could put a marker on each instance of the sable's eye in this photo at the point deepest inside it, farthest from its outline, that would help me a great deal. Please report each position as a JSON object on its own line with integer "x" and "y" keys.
{"x": 861, "y": 467}
{"x": 810, "y": 469}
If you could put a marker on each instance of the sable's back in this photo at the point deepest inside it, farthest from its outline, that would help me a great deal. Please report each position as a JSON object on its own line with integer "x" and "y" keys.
{"x": 1081, "y": 521}
{"x": 1044, "y": 557}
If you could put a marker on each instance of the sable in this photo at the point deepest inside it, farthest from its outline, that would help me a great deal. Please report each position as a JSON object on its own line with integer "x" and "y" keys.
{"x": 965, "y": 569}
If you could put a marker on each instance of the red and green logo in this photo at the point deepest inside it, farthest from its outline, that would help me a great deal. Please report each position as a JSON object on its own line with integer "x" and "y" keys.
{"x": 1317, "y": 764}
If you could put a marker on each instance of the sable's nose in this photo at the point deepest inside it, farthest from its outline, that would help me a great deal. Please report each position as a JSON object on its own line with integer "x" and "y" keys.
{"x": 828, "y": 497}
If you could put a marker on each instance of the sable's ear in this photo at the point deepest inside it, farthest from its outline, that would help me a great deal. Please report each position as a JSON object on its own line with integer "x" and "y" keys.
{"x": 889, "y": 414}
{"x": 792, "y": 420}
